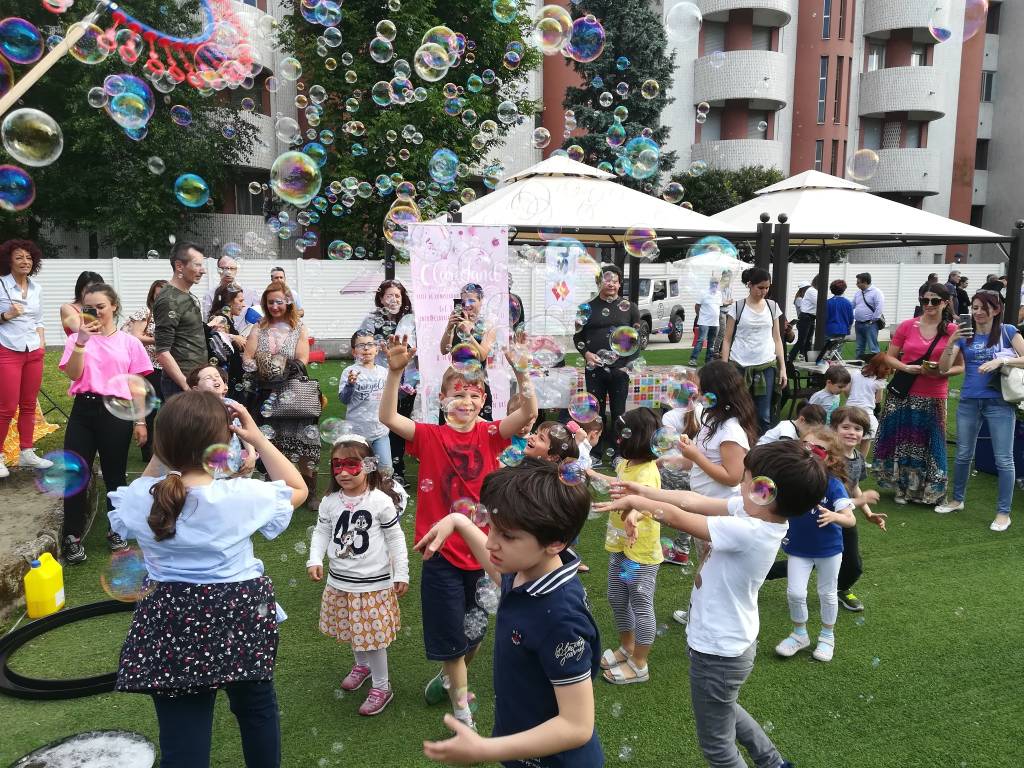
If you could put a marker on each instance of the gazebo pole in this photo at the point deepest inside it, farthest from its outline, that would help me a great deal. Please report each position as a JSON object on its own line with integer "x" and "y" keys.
{"x": 824, "y": 265}
{"x": 634, "y": 279}
{"x": 1013, "y": 274}
{"x": 619, "y": 257}
{"x": 389, "y": 261}
{"x": 780, "y": 262}
{"x": 763, "y": 252}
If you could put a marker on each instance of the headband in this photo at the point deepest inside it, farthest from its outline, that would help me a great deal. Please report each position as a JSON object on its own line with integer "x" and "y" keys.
{"x": 352, "y": 438}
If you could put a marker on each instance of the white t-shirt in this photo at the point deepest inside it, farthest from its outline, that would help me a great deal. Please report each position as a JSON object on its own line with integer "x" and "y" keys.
{"x": 728, "y": 432}
{"x": 784, "y": 430}
{"x": 863, "y": 389}
{"x": 676, "y": 418}
{"x": 584, "y": 447}
{"x": 809, "y": 301}
{"x": 710, "y": 307}
{"x": 723, "y": 616}
{"x": 753, "y": 343}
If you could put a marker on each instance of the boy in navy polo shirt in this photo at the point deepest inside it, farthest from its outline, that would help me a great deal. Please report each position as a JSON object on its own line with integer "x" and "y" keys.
{"x": 546, "y": 645}
{"x": 744, "y": 533}
{"x": 455, "y": 457}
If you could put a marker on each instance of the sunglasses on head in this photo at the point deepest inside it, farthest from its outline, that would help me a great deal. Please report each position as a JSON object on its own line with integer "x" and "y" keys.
{"x": 351, "y": 465}
{"x": 934, "y": 301}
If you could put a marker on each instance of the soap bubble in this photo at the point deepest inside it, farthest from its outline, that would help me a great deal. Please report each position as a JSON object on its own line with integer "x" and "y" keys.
{"x": 683, "y": 394}
{"x": 475, "y": 624}
{"x": 191, "y": 190}
{"x": 6, "y": 76}
{"x": 443, "y": 166}
{"x": 938, "y": 24}
{"x": 583, "y": 407}
{"x": 217, "y": 460}
{"x": 69, "y": 475}
{"x": 431, "y": 62}
{"x": 975, "y": 17}
{"x": 295, "y": 178}
{"x": 615, "y": 136}
{"x": 649, "y": 89}
{"x": 381, "y": 50}
{"x": 572, "y": 472}
{"x": 155, "y": 165}
{"x": 339, "y": 249}
{"x": 291, "y": 68}
{"x": 504, "y": 11}
{"x": 762, "y": 126}
{"x": 665, "y": 441}
{"x": 638, "y": 240}
{"x": 713, "y": 246}
{"x": 863, "y": 164}
{"x": 508, "y": 112}
{"x": 552, "y": 29}
{"x": 287, "y": 130}
{"x": 763, "y": 491}
{"x": 20, "y": 41}
{"x": 683, "y": 21}
{"x": 709, "y": 399}
{"x": 629, "y": 570}
{"x": 333, "y": 428}
{"x": 586, "y": 42}
{"x": 125, "y": 577}
{"x": 32, "y": 137}
{"x": 426, "y": 485}
{"x": 17, "y": 190}
{"x": 643, "y": 154}
{"x": 134, "y": 397}
{"x": 673, "y": 192}
{"x": 88, "y": 49}
{"x": 624, "y": 340}
{"x": 133, "y": 106}
{"x": 181, "y": 115}
{"x": 464, "y": 359}
{"x": 511, "y": 457}
{"x": 488, "y": 595}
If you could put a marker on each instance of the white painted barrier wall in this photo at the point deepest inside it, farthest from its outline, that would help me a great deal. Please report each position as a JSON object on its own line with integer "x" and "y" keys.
{"x": 332, "y": 315}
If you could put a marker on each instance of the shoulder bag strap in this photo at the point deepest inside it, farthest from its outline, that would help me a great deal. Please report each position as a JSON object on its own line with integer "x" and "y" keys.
{"x": 864, "y": 297}
{"x": 736, "y": 325}
{"x": 931, "y": 347}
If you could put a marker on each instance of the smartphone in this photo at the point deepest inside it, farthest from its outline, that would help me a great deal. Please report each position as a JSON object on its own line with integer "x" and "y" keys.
{"x": 457, "y": 304}
{"x": 90, "y": 312}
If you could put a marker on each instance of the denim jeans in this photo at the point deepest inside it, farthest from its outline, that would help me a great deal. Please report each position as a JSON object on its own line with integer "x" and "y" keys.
{"x": 715, "y": 683}
{"x": 1001, "y": 423}
{"x": 381, "y": 448}
{"x": 704, "y": 333}
{"x": 867, "y": 337}
{"x": 763, "y": 403}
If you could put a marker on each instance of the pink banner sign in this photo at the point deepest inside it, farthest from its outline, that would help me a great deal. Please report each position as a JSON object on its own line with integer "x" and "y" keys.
{"x": 444, "y": 258}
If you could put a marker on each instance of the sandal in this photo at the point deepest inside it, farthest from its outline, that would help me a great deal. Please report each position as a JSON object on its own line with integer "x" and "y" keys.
{"x": 610, "y": 659}
{"x": 617, "y": 675}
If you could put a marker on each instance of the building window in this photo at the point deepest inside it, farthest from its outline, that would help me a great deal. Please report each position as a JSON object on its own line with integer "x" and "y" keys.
{"x": 822, "y": 88}
{"x": 842, "y": 19}
{"x": 871, "y": 133}
{"x": 834, "y": 162}
{"x": 992, "y": 20}
{"x": 826, "y": 20}
{"x": 919, "y": 56}
{"x": 246, "y": 203}
{"x": 977, "y": 216}
{"x": 988, "y": 85}
{"x": 913, "y": 134}
{"x": 837, "y": 107}
{"x": 981, "y": 155}
{"x": 875, "y": 55}
{"x": 819, "y": 151}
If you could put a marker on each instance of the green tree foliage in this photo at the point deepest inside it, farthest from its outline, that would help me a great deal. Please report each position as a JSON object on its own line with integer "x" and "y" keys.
{"x": 371, "y": 142}
{"x": 101, "y": 184}
{"x": 717, "y": 190}
{"x": 634, "y": 31}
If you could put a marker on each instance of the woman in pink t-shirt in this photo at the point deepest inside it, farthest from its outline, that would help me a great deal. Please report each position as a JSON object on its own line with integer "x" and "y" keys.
{"x": 910, "y": 454}
{"x": 94, "y": 359}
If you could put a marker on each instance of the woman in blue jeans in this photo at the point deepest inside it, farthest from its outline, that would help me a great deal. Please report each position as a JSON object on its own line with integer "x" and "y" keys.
{"x": 985, "y": 346}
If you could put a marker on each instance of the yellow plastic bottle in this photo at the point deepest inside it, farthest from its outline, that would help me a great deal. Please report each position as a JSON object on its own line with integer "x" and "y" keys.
{"x": 44, "y": 587}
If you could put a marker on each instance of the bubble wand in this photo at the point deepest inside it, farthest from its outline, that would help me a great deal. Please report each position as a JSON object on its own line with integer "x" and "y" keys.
{"x": 200, "y": 48}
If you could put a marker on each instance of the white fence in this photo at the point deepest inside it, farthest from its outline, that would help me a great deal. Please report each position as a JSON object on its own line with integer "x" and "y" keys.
{"x": 333, "y": 316}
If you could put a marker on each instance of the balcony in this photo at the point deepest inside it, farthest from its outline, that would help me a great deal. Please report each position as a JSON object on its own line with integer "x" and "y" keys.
{"x": 733, "y": 154}
{"x": 249, "y": 20}
{"x": 882, "y": 16}
{"x": 767, "y": 13}
{"x": 913, "y": 172}
{"x": 265, "y": 149}
{"x": 914, "y": 90}
{"x": 758, "y": 77}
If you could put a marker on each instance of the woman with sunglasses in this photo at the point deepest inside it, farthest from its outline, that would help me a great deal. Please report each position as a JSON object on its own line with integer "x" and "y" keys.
{"x": 910, "y": 453}
{"x": 277, "y": 350}
{"x": 392, "y": 306}
{"x": 984, "y": 346}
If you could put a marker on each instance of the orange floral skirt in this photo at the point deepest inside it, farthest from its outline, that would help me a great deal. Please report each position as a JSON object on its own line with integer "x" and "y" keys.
{"x": 368, "y": 621}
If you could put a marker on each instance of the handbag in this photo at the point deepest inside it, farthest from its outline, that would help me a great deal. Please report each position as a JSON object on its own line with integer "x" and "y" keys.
{"x": 880, "y": 322}
{"x": 298, "y": 398}
{"x": 1012, "y": 385}
{"x": 902, "y": 381}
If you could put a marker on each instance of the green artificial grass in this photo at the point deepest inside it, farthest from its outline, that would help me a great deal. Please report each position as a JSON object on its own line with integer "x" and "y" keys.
{"x": 929, "y": 675}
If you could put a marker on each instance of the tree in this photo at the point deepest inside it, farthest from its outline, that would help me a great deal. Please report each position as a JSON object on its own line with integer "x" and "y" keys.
{"x": 374, "y": 144}
{"x": 101, "y": 183}
{"x": 634, "y": 32}
{"x": 717, "y": 190}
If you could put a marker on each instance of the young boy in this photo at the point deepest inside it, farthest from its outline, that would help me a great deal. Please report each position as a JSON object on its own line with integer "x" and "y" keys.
{"x": 543, "y": 445}
{"x": 360, "y": 390}
{"x": 851, "y": 424}
{"x": 723, "y": 618}
{"x": 837, "y": 381}
{"x": 586, "y": 436}
{"x": 455, "y": 457}
{"x": 793, "y": 429}
{"x": 546, "y": 643}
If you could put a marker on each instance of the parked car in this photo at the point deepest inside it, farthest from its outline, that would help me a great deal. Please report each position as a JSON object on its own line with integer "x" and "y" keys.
{"x": 661, "y": 307}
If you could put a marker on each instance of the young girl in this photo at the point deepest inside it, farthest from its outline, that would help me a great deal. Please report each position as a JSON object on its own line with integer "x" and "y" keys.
{"x": 728, "y": 430}
{"x": 211, "y": 620}
{"x": 866, "y": 387}
{"x": 815, "y": 540}
{"x": 633, "y": 567}
{"x": 362, "y": 384}
{"x": 357, "y": 527}
{"x": 851, "y": 424}
{"x": 210, "y": 378}
{"x": 551, "y": 442}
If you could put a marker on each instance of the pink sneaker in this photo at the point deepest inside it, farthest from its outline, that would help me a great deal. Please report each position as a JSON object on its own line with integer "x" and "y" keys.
{"x": 354, "y": 680}
{"x": 375, "y": 702}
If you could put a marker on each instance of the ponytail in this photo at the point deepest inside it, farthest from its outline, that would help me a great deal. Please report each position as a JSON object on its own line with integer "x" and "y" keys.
{"x": 168, "y": 500}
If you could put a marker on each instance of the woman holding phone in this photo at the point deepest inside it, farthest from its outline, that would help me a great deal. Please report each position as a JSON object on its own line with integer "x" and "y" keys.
{"x": 71, "y": 313}
{"x": 469, "y": 336}
{"x": 22, "y": 346}
{"x": 984, "y": 345}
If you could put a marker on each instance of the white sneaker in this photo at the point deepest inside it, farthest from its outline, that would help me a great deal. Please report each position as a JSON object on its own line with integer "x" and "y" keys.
{"x": 999, "y": 526}
{"x": 681, "y": 616}
{"x": 825, "y": 648}
{"x": 4, "y": 471}
{"x": 949, "y": 506}
{"x": 29, "y": 459}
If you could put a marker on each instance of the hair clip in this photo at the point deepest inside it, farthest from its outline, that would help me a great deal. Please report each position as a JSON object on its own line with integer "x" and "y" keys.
{"x": 173, "y": 472}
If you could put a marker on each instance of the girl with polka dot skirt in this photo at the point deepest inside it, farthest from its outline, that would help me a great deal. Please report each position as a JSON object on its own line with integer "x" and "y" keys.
{"x": 207, "y": 616}
{"x": 368, "y": 566}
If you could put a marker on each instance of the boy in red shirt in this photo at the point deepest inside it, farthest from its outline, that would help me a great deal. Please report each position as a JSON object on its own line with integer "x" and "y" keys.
{"x": 454, "y": 460}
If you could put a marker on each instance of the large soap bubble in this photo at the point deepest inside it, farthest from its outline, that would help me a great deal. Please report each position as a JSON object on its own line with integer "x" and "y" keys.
{"x": 133, "y": 106}
{"x": 295, "y": 178}
{"x": 32, "y": 137}
{"x": 552, "y": 29}
{"x": 68, "y": 475}
{"x": 443, "y": 166}
{"x": 20, "y": 40}
{"x": 586, "y": 42}
{"x": 397, "y": 220}
{"x": 683, "y": 21}
{"x": 191, "y": 190}
{"x": 431, "y": 62}
{"x": 6, "y": 76}
{"x": 134, "y": 397}
{"x": 17, "y": 190}
{"x": 643, "y": 155}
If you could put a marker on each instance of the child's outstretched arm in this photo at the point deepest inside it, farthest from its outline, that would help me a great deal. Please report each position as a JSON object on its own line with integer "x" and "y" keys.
{"x": 514, "y": 423}
{"x": 690, "y": 500}
{"x": 635, "y": 508}
{"x": 843, "y": 518}
{"x": 399, "y": 356}
{"x": 572, "y": 727}
{"x": 862, "y": 500}
{"x": 475, "y": 539}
